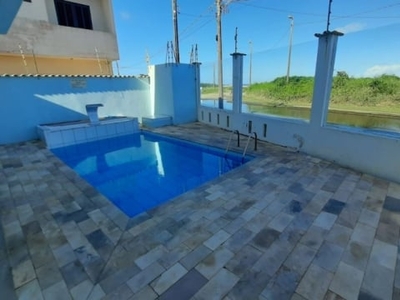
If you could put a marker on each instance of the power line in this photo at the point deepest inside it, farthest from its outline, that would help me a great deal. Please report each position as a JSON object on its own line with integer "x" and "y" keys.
{"x": 368, "y": 17}
{"x": 277, "y": 43}
{"x": 322, "y": 15}
{"x": 369, "y": 11}
{"x": 206, "y": 17}
{"x": 183, "y": 34}
{"x": 209, "y": 9}
{"x": 282, "y": 10}
{"x": 205, "y": 22}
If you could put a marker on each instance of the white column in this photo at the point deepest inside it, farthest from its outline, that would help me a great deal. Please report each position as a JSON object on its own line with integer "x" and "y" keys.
{"x": 237, "y": 81}
{"x": 323, "y": 76}
{"x": 197, "y": 85}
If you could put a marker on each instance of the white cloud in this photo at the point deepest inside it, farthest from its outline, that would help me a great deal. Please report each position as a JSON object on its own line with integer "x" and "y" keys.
{"x": 352, "y": 27}
{"x": 125, "y": 15}
{"x": 379, "y": 70}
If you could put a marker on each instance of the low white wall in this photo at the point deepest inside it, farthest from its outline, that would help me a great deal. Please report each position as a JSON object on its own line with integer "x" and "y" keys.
{"x": 351, "y": 147}
{"x": 29, "y": 101}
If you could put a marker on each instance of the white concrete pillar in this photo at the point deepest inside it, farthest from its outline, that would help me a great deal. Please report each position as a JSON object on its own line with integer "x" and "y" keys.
{"x": 327, "y": 45}
{"x": 237, "y": 81}
{"x": 152, "y": 75}
{"x": 197, "y": 84}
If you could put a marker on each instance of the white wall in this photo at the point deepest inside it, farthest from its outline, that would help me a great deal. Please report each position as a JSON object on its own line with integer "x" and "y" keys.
{"x": 36, "y": 27}
{"x": 58, "y": 41}
{"x": 45, "y": 100}
{"x": 174, "y": 90}
{"x": 35, "y": 10}
{"x": 44, "y": 10}
{"x": 109, "y": 15}
{"x": 51, "y": 11}
{"x": 367, "y": 151}
{"x": 359, "y": 149}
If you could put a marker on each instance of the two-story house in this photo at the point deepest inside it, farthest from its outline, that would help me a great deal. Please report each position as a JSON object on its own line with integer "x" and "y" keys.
{"x": 60, "y": 37}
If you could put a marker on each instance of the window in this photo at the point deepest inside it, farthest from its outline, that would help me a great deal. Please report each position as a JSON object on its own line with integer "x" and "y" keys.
{"x": 73, "y": 14}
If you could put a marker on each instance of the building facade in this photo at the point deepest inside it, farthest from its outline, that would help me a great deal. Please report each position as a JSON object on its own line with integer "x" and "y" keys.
{"x": 60, "y": 37}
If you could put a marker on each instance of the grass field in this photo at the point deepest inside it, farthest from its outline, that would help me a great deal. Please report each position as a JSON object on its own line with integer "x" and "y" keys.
{"x": 380, "y": 95}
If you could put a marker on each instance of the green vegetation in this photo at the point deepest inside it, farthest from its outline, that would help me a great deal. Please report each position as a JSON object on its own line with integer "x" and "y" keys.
{"x": 380, "y": 94}
{"x": 278, "y": 92}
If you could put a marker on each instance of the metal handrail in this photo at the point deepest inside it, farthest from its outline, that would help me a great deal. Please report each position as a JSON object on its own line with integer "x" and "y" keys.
{"x": 238, "y": 137}
{"x": 230, "y": 139}
{"x": 247, "y": 144}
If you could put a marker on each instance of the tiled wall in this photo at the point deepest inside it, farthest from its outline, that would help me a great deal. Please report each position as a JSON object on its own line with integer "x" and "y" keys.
{"x": 70, "y": 134}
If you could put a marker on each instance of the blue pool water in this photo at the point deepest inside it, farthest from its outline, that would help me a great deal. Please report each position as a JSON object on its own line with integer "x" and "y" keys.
{"x": 140, "y": 171}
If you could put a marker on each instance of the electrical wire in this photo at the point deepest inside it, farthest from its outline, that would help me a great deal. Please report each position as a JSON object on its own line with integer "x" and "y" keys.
{"x": 333, "y": 16}
{"x": 206, "y": 12}
{"x": 206, "y": 22}
{"x": 281, "y": 10}
{"x": 206, "y": 17}
{"x": 369, "y": 11}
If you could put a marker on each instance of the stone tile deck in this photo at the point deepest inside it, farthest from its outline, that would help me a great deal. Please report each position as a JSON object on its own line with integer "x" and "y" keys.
{"x": 284, "y": 226}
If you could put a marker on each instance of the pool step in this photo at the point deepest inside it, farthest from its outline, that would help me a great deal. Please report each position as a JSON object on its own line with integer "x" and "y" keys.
{"x": 156, "y": 121}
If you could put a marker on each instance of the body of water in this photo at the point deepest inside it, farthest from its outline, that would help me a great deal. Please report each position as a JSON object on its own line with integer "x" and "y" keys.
{"x": 140, "y": 171}
{"x": 356, "y": 119}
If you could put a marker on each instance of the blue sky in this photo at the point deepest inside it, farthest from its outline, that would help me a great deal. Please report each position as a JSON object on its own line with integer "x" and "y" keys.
{"x": 370, "y": 46}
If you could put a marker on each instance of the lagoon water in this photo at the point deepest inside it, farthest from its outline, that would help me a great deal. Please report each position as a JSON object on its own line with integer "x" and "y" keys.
{"x": 383, "y": 122}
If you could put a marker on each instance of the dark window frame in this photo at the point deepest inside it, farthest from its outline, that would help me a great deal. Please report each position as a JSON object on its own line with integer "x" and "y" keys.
{"x": 73, "y": 14}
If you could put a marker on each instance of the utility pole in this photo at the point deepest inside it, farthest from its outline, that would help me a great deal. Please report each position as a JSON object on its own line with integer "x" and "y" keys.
{"x": 221, "y": 5}
{"x": 147, "y": 58}
{"x": 291, "y": 18}
{"x": 251, "y": 62}
{"x": 328, "y": 22}
{"x": 219, "y": 50}
{"x": 176, "y": 32}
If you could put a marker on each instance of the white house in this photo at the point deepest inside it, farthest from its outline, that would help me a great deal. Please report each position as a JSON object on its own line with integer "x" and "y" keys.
{"x": 60, "y": 37}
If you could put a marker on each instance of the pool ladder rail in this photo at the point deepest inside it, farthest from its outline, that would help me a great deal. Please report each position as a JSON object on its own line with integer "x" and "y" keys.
{"x": 230, "y": 139}
{"x": 254, "y": 135}
{"x": 248, "y": 142}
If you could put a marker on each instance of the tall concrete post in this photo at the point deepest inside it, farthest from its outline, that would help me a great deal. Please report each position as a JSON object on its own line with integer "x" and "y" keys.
{"x": 327, "y": 45}
{"x": 219, "y": 52}
{"x": 237, "y": 81}
{"x": 197, "y": 87}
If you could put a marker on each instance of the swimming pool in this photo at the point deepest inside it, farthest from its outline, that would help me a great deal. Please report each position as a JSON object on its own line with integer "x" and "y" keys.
{"x": 138, "y": 172}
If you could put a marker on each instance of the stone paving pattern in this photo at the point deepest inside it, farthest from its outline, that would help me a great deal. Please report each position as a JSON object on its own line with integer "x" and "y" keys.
{"x": 283, "y": 226}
